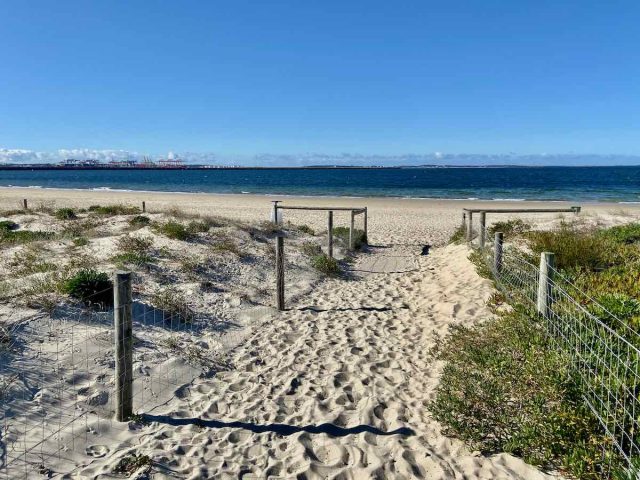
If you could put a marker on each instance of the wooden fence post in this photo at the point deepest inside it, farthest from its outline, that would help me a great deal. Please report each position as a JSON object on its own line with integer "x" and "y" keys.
{"x": 464, "y": 219}
{"x": 470, "y": 228}
{"x": 124, "y": 345}
{"x": 280, "y": 272}
{"x": 366, "y": 232}
{"x": 330, "y": 240}
{"x": 545, "y": 281}
{"x": 483, "y": 224}
{"x": 576, "y": 209}
{"x": 144, "y": 206}
{"x": 497, "y": 257}
{"x": 351, "y": 235}
{"x": 274, "y": 212}
{"x": 25, "y": 204}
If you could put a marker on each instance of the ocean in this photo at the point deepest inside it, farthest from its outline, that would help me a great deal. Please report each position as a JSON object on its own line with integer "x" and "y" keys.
{"x": 601, "y": 184}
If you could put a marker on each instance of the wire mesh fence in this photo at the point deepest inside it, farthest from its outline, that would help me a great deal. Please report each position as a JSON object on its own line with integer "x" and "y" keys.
{"x": 59, "y": 383}
{"x": 603, "y": 351}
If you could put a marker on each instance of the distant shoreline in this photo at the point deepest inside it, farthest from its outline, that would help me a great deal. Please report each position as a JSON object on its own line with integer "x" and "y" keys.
{"x": 32, "y": 167}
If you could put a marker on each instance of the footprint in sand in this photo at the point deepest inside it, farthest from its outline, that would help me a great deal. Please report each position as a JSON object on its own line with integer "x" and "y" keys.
{"x": 97, "y": 451}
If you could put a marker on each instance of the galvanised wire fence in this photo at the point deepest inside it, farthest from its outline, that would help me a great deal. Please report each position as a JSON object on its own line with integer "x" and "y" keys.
{"x": 603, "y": 351}
{"x": 58, "y": 382}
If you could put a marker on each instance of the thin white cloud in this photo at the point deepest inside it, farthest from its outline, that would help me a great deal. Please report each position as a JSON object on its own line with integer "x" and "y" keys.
{"x": 22, "y": 156}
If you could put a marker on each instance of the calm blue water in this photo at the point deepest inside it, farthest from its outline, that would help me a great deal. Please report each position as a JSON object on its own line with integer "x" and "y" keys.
{"x": 614, "y": 184}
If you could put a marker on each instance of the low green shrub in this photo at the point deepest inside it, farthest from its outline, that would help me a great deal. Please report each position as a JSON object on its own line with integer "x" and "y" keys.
{"x": 65, "y": 214}
{"x": 128, "y": 259}
{"x": 306, "y": 229}
{"x": 624, "y": 234}
{"x": 11, "y": 237}
{"x": 342, "y": 234}
{"x": 613, "y": 308}
{"x": 575, "y": 248}
{"x": 174, "y": 230}
{"x": 196, "y": 226}
{"x": 80, "y": 241}
{"x": 131, "y": 463}
{"x": 458, "y": 235}
{"x": 325, "y": 264}
{"x": 7, "y": 226}
{"x": 111, "y": 210}
{"x": 140, "y": 221}
{"x": 510, "y": 227}
{"x": 505, "y": 388}
{"x": 479, "y": 259}
{"x": 91, "y": 287}
{"x": 623, "y": 279}
{"x": 134, "y": 250}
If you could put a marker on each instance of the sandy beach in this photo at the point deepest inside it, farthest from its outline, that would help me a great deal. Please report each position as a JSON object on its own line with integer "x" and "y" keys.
{"x": 392, "y": 220}
{"x": 338, "y": 385}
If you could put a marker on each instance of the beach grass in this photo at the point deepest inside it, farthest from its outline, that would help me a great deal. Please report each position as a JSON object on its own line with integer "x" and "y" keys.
{"x": 111, "y": 210}
{"x": 326, "y": 265}
{"x": 174, "y": 304}
{"x": 91, "y": 287}
{"x": 359, "y": 237}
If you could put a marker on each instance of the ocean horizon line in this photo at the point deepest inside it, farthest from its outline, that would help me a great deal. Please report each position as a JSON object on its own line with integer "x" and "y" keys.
{"x": 213, "y": 166}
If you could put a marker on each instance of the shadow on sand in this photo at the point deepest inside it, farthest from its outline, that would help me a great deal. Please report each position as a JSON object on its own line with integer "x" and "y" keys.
{"x": 279, "y": 428}
{"x": 351, "y": 309}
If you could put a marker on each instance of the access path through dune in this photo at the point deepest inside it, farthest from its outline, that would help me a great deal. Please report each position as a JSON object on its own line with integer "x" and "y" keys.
{"x": 336, "y": 387}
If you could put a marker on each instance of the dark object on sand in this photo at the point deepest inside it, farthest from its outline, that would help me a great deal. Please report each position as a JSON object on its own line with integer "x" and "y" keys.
{"x": 425, "y": 250}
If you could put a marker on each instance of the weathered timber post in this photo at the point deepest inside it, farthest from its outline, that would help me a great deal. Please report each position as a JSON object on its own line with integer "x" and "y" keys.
{"x": 470, "y": 228}
{"x": 366, "y": 232}
{"x": 144, "y": 206}
{"x": 330, "y": 239}
{"x": 464, "y": 219}
{"x": 351, "y": 233}
{"x": 124, "y": 345}
{"x": 483, "y": 224}
{"x": 275, "y": 218}
{"x": 497, "y": 257}
{"x": 576, "y": 209}
{"x": 280, "y": 272}
{"x": 25, "y": 204}
{"x": 545, "y": 282}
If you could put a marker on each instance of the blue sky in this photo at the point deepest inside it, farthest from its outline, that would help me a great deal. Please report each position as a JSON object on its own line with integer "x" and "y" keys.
{"x": 370, "y": 77}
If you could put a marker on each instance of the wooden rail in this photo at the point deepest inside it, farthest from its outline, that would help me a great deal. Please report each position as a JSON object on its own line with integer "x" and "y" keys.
{"x": 276, "y": 218}
{"x": 356, "y": 210}
{"x": 523, "y": 210}
{"x": 467, "y": 216}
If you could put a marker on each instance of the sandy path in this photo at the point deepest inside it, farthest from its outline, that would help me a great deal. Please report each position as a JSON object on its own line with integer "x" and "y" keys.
{"x": 336, "y": 387}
